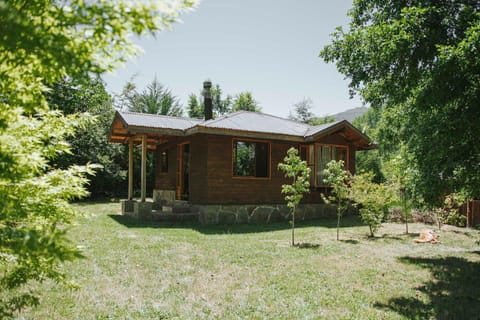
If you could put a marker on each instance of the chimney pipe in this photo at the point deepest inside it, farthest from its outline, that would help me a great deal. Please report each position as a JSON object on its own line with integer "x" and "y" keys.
{"x": 207, "y": 100}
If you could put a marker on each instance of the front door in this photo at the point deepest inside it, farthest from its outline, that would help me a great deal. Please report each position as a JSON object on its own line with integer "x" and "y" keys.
{"x": 183, "y": 171}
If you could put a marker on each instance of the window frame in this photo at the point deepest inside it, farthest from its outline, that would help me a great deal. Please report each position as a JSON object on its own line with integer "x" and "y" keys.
{"x": 316, "y": 160}
{"x": 269, "y": 160}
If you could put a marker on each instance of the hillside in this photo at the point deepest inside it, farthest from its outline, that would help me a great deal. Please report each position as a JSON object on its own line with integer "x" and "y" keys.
{"x": 350, "y": 114}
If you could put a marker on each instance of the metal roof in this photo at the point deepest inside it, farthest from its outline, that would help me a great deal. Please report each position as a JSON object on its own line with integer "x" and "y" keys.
{"x": 258, "y": 122}
{"x": 242, "y": 123}
{"x": 134, "y": 119}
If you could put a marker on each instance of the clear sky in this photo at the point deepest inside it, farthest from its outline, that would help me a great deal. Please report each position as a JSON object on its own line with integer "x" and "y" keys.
{"x": 267, "y": 47}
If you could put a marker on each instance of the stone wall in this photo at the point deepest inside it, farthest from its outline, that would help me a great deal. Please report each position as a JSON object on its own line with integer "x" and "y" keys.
{"x": 231, "y": 214}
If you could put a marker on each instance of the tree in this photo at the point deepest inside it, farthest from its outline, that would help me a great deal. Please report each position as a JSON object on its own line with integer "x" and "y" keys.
{"x": 194, "y": 108}
{"x": 400, "y": 174}
{"x": 373, "y": 199}
{"x": 294, "y": 168}
{"x": 418, "y": 63}
{"x": 41, "y": 43}
{"x": 91, "y": 142}
{"x": 155, "y": 99}
{"x": 370, "y": 161}
{"x": 245, "y": 101}
{"x": 302, "y": 111}
{"x": 220, "y": 105}
{"x": 337, "y": 178}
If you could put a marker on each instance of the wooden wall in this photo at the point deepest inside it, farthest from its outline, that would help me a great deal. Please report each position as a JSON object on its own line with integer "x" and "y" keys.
{"x": 211, "y": 176}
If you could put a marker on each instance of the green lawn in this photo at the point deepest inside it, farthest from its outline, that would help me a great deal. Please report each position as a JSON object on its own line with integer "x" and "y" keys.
{"x": 161, "y": 271}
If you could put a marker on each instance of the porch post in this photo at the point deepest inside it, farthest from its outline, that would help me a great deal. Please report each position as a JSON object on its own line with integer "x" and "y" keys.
{"x": 130, "y": 169}
{"x": 144, "y": 168}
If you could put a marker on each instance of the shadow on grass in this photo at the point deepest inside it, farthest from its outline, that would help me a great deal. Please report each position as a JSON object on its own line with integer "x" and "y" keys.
{"x": 131, "y": 222}
{"x": 306, "y": 245}
{"x": 452, "y": 290}
{"x": 350, "y": 241}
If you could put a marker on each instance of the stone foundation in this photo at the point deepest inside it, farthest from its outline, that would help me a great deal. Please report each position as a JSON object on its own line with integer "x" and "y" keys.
{"x": 142, "y": 210}
{"x": 127, "y": 206}
{"x": 257, "y": 214}
{"x": 162, "y": 196}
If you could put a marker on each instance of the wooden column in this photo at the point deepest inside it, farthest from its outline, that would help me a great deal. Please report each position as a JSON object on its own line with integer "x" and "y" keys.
{"x": 144, "y": 168}
{"x": 130, "y": 170}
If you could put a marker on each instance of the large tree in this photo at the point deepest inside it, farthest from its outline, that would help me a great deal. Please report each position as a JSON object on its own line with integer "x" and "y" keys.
{"x": 41, "y": 43}
{"x": 418, "y": 61}
{"x": 303, "y": 113}
{"x": 91, "y": 142}
{"x": 220, "y": 105}
{"x": 154, "y": 99}
{"x": 245, "y": 101}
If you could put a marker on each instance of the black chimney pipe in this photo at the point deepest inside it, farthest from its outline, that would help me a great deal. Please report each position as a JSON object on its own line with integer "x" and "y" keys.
{"x": 207, "y": 100}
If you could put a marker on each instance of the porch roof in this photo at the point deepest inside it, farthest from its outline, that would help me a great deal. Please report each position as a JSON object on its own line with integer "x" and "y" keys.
{"x": 131, "y": 125}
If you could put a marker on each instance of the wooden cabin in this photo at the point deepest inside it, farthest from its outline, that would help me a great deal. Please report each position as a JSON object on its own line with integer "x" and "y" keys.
{"x": 234, "y": 159}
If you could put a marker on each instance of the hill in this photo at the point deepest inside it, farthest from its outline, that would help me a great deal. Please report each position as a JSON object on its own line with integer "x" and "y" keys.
{"x": 350, "y": 114}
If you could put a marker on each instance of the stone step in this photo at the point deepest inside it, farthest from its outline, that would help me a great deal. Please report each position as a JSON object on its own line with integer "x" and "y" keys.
{"x": 173, "y": 209}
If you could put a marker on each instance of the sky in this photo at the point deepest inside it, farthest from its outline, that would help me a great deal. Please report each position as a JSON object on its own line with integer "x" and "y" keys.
{"x": 267, "y": 47}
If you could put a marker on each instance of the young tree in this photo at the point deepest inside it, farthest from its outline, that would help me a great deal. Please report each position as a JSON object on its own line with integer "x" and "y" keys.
{"x": 373, "y": 199}
{"x": 337, "y": 178}
{"x": 41, "y": 43}
{"x": 400, "y": 173}
{"x": 418, "y": 62}
{"x": 294, "y": 168}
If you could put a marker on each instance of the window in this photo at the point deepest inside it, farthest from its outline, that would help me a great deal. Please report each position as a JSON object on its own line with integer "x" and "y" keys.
{"x": 251, "y": 159}
{"x": 307, "y": 154}
{"x": 164, "y": 161}
{"x": 325, "y": 154}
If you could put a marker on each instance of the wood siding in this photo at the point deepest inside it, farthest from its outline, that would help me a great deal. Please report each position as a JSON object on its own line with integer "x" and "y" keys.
{"x": 211, "y": 173}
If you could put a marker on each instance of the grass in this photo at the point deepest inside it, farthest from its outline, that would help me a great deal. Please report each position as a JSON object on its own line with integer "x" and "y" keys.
{"x": 138, "y": 270}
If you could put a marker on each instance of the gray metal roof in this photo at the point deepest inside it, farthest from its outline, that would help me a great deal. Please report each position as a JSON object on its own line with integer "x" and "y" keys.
{"x": 313, "y": 130}
{"x": 134, "y": 119}
{"x": 258, "y": 122}
{"x": 242, "y": 122}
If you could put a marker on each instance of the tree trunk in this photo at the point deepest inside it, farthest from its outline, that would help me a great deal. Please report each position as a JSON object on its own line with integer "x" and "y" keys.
{"x": 469, "y": 215}
{"x": 338, "y": 222}
{"x": 293, "y": 227}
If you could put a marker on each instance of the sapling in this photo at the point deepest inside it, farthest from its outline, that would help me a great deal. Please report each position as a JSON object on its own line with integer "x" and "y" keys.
{"x": 373, "y": 199}
{"x": 337, "y": 178}
{"x": 294, "y": 168}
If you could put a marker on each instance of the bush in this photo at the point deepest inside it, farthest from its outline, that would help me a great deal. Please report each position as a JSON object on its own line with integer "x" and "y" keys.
{"x": 450, "y": 212}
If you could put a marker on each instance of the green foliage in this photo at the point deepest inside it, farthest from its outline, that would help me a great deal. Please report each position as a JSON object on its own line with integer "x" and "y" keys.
{"x": 245, "y": 101}
{"x": 372, "y": 199}
{"x": 418, "y": 64}
{"x": 91, "y": 143}
{"x": 302, "y": 111}
{"x": 400, "y": 173}
{"x": 337, "y": 178}
{"x": 220, "y": 105}
{"x": 303, "y": 114}
{"x": 293, "y": 167}
{"x": 42, "y": 43}
{"x": 155, "y": 99}
{"x": 371, "y": 160}
{"x": 449, "y": 213}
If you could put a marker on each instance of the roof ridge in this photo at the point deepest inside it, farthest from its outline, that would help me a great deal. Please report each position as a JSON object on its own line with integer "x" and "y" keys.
{"x": 229, "y": 115}
{"x": 225, "y": 116}
{"x": 159, "y": 115}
